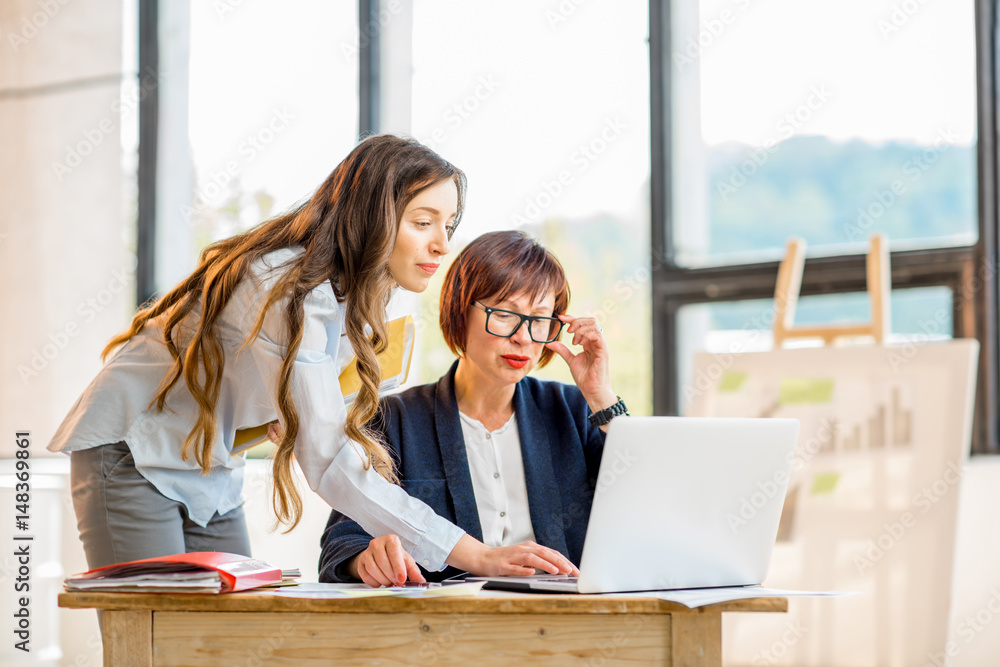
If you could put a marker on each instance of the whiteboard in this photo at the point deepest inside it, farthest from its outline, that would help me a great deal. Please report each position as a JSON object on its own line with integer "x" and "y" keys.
{"x": 872, "y": 503}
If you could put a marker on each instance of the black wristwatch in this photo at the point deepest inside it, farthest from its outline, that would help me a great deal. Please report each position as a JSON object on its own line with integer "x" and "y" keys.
{"x": 602, "y": 417}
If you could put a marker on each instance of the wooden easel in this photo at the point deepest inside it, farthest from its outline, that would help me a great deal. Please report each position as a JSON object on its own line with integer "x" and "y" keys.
{"x": 786, "y": 297}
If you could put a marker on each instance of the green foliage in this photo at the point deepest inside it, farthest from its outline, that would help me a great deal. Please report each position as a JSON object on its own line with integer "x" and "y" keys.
{"x": 837, "y": 193}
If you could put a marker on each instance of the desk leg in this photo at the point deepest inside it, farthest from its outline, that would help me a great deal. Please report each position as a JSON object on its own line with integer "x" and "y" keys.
{"x": 128, "y": 638}
{"x": 696, "y": 639}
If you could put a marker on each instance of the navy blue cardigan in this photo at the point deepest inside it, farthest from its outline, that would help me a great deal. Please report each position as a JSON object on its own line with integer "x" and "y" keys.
{"x": 560, "y": 449}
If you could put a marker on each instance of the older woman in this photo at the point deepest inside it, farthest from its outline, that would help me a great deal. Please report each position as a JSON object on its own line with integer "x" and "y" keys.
{"x": 510, "y": 459}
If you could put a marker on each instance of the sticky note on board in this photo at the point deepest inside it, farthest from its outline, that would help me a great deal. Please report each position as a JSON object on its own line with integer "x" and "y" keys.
{"x": 731, "y": 382}
{"x": 803, "y": 391}
{"x": 825, "y": 483}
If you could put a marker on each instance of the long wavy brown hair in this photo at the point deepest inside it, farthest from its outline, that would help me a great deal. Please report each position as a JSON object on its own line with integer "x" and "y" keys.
{"x": 347, "y": 230}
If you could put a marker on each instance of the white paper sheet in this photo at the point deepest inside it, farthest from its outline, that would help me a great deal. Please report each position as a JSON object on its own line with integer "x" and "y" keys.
{"x": 334, "y": 591}
{"x": 699, "y": 597}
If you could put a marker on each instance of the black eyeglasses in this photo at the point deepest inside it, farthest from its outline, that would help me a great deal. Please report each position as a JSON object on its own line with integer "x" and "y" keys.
{"x": 505, "y": 323}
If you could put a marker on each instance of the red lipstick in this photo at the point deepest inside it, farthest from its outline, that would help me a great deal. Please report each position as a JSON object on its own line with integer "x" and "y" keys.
{"x": 515, "y": 360}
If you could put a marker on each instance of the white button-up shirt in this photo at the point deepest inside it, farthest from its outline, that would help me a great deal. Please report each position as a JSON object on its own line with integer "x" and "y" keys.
{"x": 497, "y": 470}
{"x": 115, "y": 407}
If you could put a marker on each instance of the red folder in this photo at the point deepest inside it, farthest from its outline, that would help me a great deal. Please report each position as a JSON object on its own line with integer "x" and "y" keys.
{"x": 235, "y": 572}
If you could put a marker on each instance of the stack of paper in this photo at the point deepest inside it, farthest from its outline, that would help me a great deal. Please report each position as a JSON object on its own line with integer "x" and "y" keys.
{"x": 195, "y": 580}
{"x": 197, "y": 572}
{"x": 288, "y": 578}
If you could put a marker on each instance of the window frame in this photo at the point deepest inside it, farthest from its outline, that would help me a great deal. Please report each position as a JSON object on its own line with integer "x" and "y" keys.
{"x": 148, "y": 119}
{"x": 958, "y": 268}
{"x": 674, "y": 286}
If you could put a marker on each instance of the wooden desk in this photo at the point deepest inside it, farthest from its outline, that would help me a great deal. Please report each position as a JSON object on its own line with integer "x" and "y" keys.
{"x": 253, "y": 630}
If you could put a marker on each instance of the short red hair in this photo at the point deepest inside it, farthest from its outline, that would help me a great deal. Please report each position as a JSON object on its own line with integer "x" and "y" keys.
{"x": 498, "y": 265}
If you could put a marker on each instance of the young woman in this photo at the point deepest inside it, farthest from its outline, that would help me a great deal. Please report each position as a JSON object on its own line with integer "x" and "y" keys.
{"x": 260, "y": 332}
{"x": 508, "y": 458}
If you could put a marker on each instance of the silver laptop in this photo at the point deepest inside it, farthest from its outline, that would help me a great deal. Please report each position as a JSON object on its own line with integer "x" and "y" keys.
{"x": 681, "y": 502}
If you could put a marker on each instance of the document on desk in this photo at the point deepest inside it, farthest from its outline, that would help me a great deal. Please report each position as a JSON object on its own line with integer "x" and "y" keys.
{"x": 346, "y": 591}
{"x": 699, "y": 597}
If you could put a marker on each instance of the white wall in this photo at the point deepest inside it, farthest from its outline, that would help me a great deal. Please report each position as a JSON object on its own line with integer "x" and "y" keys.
{"x": 64, "y": 258}
{"x": 65, "y": 267}
{"x": 975, "y": 620}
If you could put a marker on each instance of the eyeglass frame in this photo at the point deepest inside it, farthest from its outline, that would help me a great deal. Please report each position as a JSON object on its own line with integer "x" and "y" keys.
{"x": 522, "y": 319}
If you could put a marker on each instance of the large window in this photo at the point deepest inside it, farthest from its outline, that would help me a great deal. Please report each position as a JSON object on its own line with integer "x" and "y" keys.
{"x": 825, "y": 120}
{"x": 271, "y": 107}
{"x": 258, "y": 103}
{"x": 546, "y": 110}
{"x": 830, "y": 122}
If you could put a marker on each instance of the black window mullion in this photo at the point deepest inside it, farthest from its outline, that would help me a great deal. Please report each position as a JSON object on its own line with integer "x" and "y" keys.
{"x": 822, "y": 275}
{"x": 148, "y": 119}
{"x": 664, "y": 318}
{"x": 970, "y": 272}
{"x": 983, "y": 284}
{"x": 369, "y": 68}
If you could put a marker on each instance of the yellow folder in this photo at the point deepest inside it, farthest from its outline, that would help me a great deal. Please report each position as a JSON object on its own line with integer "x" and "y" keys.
{"x": 395, "y": 364}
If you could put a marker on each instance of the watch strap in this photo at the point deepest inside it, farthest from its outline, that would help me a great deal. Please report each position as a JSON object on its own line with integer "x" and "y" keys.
{"x": 602, "y": 417}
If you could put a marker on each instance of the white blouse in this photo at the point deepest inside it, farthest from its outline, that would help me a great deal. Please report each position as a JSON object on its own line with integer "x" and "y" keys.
{"x": 115, "y": 407}
{"x": 497, "y": 470}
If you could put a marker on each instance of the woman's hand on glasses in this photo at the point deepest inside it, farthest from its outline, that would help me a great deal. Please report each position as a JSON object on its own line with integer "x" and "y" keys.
{"x": 591, "y": 368}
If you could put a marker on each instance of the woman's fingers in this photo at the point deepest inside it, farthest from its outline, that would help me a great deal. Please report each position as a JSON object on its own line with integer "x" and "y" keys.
{"x": 275, "y": 432}
{"x": 525, "y": 558}
{"x": 375, "y": 576}
{"x": 511, "y": 569}
{"x": 539, "y": 563}
{"x": 412, "y": 571}
{"x": 396, "y": 557}
{"x": 561, "y": 350}
{"x": 385, "y": 566}
{"x": 587, "y": 336}
{"x": 386, "y": 563}
{"x": 555, "y": 559}
{"x": 582, "y": 328}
